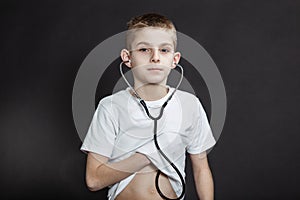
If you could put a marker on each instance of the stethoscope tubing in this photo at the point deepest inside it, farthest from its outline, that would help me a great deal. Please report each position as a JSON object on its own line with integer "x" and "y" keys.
{"x": 155, "y": 119}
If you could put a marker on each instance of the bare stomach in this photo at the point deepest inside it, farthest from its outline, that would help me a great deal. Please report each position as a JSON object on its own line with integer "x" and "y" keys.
{"x": 142, "y": 186}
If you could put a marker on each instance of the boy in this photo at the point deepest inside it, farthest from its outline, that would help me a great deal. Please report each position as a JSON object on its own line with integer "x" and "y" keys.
{"x": 119, "y": 142}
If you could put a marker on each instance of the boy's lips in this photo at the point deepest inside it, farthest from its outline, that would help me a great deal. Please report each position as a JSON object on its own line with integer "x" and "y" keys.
{"x": 155, "y": 69}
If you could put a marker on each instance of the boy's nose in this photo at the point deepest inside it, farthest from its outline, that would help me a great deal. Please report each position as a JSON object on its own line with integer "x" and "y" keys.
{"x": 155, "y": 56}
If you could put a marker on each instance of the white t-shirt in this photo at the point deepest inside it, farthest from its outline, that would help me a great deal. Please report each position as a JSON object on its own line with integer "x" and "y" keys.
{"x": 120, "y": 127}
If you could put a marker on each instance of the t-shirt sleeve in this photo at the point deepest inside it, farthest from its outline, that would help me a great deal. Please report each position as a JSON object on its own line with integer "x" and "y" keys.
{"x": 202, "y": 137}
{"x": 101, "y": 133}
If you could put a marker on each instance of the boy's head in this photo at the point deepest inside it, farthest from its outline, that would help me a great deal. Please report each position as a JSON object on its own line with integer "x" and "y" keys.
{"x": 151, "y": 42}
{"x": 150, "y": 20}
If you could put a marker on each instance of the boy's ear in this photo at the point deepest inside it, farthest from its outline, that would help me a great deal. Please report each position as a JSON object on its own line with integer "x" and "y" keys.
{"x": 125, "y": 56}
{"x": 176, "y": 59}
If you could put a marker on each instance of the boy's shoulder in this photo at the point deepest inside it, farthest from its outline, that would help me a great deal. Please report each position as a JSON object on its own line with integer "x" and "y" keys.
{"x": 117, "y": 98}
{"x": 186, "y": 96}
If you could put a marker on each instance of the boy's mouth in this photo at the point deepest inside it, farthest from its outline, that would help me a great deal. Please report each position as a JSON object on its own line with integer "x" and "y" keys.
{"x": 155, "y": 69}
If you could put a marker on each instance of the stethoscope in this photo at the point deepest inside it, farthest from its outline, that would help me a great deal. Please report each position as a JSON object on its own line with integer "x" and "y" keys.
{"x": 155, "y": 119}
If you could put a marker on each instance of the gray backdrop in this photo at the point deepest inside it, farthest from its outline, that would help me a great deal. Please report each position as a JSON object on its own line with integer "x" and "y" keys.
{"x": 255, "y": 45}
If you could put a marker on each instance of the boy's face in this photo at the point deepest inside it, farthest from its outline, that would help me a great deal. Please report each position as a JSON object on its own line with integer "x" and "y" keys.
{"x": 151, "y": 55}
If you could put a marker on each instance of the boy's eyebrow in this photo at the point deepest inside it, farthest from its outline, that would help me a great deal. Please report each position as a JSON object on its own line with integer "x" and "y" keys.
{"x": 146, "y": 43}
{"x": 162, "y": 44}
{"x": 165, "y": 44}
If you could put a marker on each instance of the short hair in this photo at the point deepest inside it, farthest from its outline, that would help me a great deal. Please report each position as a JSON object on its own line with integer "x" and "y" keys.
{"x": 152, "y": 20}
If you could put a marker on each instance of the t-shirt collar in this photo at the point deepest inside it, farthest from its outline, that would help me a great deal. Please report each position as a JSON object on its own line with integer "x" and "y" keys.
{"x": 156, "y": 103}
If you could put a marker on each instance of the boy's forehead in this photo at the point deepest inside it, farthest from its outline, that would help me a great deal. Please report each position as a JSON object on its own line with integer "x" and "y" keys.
{"x": 151, "y": 35}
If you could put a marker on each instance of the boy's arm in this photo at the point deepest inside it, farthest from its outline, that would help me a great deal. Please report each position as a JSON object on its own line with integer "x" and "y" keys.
{"x": 100, "y": 174}
{"x": 202, "y": 176}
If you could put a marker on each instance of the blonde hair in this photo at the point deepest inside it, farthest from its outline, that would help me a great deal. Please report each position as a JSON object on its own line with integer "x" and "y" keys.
{"x": 151, "y": 20}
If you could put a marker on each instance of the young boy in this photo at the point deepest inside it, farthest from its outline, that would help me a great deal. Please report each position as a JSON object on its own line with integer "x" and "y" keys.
{"x": 119, "y": 142}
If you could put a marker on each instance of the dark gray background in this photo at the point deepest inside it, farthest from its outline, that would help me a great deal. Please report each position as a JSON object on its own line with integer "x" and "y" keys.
{"x": 255, "y": 45}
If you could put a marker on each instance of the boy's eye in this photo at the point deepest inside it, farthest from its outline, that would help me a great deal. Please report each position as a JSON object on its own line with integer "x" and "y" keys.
{"x": 146, "y": 50}
{"x": 164, "y": 50}
{"x": 149, "y": 50}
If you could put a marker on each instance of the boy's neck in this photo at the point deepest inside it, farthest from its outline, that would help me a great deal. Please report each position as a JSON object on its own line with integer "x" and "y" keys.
{"x": 152, "y": 92}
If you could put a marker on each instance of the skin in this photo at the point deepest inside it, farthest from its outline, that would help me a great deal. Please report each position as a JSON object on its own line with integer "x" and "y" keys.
{"x": 150, "y": 84}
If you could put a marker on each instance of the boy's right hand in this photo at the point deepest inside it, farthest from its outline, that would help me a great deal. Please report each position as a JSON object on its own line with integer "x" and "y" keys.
{"x": 152, "y": 154}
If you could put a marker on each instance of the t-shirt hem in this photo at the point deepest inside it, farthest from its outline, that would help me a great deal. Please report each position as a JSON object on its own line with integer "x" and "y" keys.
{"x": 200, "y": 150}
{"x": 91, "y": 149}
